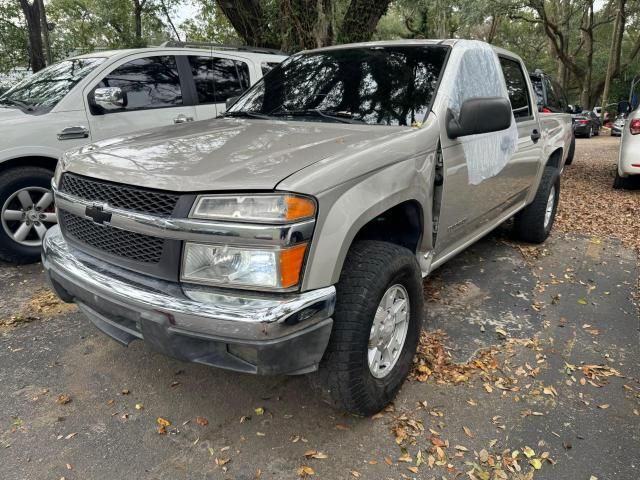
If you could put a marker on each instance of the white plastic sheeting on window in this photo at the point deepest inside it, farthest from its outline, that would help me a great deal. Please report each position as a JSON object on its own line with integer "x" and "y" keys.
{"x": 474, "y": 71}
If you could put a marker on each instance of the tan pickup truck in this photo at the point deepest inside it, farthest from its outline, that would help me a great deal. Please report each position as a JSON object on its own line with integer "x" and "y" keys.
{"x": 293, "y": 234}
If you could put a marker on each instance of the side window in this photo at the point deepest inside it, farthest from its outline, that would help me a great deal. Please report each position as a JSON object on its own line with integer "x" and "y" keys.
{"x": 231, "y": 78}
{"x": 201, "y": 68}
{"x": 218, "y": 79}
{"x": 552, "y": 97}
{"x": 151, "y": 82}
{"x": 517, "y": 88}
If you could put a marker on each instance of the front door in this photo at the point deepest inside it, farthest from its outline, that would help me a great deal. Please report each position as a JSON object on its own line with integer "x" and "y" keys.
{"x": 154, "y": 97}
{"x": 486, "y": 176}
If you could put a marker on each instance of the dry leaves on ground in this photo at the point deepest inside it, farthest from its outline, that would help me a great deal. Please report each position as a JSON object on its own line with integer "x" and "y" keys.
{"x": 589, "y": 204}
{"x": 43, "y": 304}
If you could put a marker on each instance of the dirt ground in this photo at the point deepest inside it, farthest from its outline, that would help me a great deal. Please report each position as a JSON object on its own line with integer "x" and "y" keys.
{"x": 528, "y": 369}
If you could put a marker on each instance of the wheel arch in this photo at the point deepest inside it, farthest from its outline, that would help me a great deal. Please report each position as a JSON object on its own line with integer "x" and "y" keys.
{"x": 555, "y": 159}
{"x": 29, "y": 161}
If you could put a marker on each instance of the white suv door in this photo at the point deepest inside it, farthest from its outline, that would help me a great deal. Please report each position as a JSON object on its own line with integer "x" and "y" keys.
{"x": 216, "y": 80}
{"x": 154, "y": 95}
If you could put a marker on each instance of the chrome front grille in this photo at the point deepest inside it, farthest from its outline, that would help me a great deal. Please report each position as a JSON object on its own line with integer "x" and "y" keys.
{"x": 119, "y": 196}
{"x": 128, "y": 245}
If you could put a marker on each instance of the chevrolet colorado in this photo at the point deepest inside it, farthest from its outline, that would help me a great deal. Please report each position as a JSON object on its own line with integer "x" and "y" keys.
{"x": 292, "y": 234}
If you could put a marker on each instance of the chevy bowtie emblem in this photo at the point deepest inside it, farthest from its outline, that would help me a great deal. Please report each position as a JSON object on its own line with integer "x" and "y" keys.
{"x": 97, "y": 214}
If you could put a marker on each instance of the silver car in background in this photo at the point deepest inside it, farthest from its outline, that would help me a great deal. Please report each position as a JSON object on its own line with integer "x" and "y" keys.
{"x": 629, "y": 158}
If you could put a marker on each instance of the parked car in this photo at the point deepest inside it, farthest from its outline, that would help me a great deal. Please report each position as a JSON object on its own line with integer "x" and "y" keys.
{"x": 92, "y": 97}
{"x": 293, "y": 234}
{"x": 629, "y": 158}
{"x": 618, "y": 126}
{"x": 586, "y": 124}
{"x": 554, "y": 107}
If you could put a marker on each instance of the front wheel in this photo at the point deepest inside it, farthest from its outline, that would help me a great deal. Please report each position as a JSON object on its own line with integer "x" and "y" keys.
{"x": 533, "y": 224}
{"x": 376, "y": 328}
{"x": 27, "y": 211}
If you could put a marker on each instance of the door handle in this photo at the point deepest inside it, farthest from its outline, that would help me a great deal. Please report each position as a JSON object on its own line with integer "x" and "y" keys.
{"x": 70, "y": 133}
{"x": 535, "y": 135}
{"x": 182, "y": 119}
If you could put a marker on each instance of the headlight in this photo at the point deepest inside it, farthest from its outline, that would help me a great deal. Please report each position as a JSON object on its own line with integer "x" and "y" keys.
{"x": 268, "y": 208}
{"x": 242, "y": 267}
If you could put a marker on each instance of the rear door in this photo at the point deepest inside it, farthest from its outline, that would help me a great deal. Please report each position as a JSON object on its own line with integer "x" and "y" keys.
{"x": 157, "y": 95}
{"x": 216, "y": 80}
{"x": 522, "y": 170}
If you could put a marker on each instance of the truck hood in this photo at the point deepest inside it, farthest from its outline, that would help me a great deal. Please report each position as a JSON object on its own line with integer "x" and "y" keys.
{"x": 222, "y": 154}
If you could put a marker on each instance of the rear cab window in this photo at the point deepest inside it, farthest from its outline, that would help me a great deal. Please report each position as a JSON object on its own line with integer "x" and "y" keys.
{"x": 517, "y": 88}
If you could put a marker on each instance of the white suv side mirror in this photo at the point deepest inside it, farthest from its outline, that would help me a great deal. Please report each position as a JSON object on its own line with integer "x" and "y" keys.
{"x": 110, "y": 98}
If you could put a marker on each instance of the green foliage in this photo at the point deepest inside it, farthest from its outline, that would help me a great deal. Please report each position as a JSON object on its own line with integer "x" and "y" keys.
{"x": 13, "y": 37}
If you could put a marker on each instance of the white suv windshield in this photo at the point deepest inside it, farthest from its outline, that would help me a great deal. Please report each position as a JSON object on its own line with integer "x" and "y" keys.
{"x": 40, "y": 92}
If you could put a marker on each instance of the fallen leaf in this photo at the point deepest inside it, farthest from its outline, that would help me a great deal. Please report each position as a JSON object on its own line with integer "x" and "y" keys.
{"x": 468, "y": 431}
{"x": 604, "y": 406}
{"x": 139, "y": 406}
{"x": 63, "y": 399}
{"x": 202, "y": 421}
{"x": 259, "y": 411}
{"x": 222, "y": 461}
{"x": 528, "y": 452}
{"x": 536, "y": 463}
{"x": 413, "y": 469}
{"x": 315, "y": 454}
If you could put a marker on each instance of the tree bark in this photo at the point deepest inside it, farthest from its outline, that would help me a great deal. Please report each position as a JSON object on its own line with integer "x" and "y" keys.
{"x": 614, "y": 53}
{"x": 138, "y": 6}
{"x": 248, "y": 19}
{"x": 34, "y": 26}
{"x": 361, "y": 19}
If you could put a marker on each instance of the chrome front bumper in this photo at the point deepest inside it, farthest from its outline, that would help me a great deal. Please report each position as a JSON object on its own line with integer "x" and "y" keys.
{"x": 256, "y": 333}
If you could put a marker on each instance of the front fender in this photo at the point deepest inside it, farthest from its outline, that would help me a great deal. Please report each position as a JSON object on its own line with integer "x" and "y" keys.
{"x": 346, "y": 208}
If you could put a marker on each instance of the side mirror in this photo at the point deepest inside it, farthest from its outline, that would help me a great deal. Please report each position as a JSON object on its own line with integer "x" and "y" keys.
{"x": 110, "y": 98}
{"x": 479, "y": 115}
{"x": 230, "y": 101}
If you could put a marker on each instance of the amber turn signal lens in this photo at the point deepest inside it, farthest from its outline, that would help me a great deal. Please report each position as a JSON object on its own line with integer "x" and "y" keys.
{"x": 299, "y": 207}
{"x": 291, "y": 265}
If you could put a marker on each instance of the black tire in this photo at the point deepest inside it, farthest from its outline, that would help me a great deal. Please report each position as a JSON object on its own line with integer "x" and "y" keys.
{"x": 620, "y": 182}
{"x": 590, "y": 132}
{"x": 572, "y": 151}
{"x": 529, "y": 224}
{"x": 371, "y": 267}
{"x": 11, "y": 181}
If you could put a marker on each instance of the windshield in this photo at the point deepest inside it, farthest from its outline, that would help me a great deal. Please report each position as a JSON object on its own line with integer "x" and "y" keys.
{"x": 370, "y": 85}
{"x": 40, "y": 92}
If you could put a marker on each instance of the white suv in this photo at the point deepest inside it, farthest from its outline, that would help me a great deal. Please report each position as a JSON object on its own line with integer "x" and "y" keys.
{"x": 100, "y": 95}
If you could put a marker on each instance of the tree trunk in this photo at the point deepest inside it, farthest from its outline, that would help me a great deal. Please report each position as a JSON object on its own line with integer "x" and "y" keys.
{"x": 586, "y": 99}
{"x": 248, "y": 19}
{"x": 165, "y": 10}
{"x": 361, "y": 20}
{"x": 45, "y": 32}
{"x": 138, "y": 6}
{"x": 614, "y": 54}
{"x": 34, "y": 26}
{"x": 309, "y": 24}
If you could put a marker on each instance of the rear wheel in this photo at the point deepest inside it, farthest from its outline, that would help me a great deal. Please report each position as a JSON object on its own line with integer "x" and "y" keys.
{"x": 534, "y": 223}
{"x": 377, "y": 324}
{"x": 27, "y": 211}
{"x": 590, "y": 132}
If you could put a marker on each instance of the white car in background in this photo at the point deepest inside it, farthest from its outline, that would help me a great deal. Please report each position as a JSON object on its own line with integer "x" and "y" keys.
{"x": 105, "y": 94}
{"x": 629, "y": 158}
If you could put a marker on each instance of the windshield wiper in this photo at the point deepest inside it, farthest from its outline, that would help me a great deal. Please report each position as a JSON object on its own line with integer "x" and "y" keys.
{"x": 330, "y": 114}
{"x": 243, "y": 113}
{"x": 11, "y": 102}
